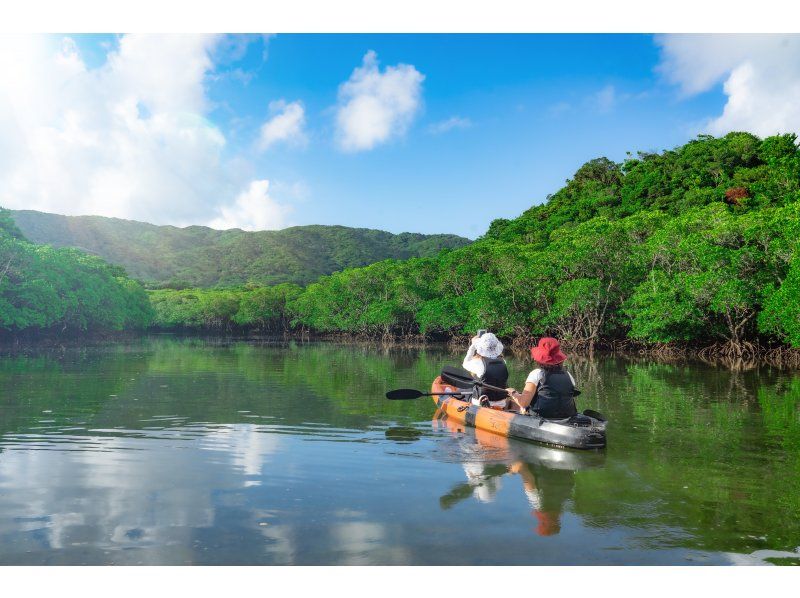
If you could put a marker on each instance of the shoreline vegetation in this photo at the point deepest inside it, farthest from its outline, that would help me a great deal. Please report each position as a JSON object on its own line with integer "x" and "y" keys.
{"x": 780, "y": 356}
{"x": 692, "y": 251}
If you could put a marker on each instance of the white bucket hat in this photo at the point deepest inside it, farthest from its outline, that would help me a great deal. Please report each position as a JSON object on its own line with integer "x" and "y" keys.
{"x": 489, "y": 346}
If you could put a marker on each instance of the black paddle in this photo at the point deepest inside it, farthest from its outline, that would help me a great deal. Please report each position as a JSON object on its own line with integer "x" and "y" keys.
{"x": 457, "y": 376}
{"x": 404, "y": 394}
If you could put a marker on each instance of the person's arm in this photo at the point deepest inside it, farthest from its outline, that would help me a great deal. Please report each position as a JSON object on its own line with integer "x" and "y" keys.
{"x": 524, "y": 398}
{"x": 528, "y": 480}
{"x": 472, "y": 359}
{"x": 470, "y": 353}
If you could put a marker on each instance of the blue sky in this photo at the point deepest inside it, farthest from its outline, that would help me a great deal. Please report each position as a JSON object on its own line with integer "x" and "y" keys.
{"x": 534, "y": 107}
{"x": 472, "y": 128}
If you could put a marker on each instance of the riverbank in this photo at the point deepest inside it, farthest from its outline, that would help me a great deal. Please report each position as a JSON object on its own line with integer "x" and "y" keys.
{"x": 717, "y": 354}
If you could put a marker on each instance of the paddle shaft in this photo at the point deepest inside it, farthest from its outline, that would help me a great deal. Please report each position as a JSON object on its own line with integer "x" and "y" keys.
{"x": 478, "y": 382}
{"x": 490, "y": 387}
{"x": 404, "y": 394}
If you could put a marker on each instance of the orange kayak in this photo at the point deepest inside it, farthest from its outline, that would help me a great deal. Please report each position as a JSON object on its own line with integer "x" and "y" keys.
{"x": 580, "y": 431}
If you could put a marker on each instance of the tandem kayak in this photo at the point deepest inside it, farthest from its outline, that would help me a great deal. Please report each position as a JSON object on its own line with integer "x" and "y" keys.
{"x": 579, "y": 431}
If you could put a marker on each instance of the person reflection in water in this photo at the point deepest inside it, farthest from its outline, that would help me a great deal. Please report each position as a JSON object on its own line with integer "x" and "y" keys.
{"x": 546, "y": 490}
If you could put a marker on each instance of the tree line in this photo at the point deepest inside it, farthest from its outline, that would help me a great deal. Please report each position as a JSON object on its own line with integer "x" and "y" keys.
{"x": 696, "y": 245}
{"x": 693, "y": 245}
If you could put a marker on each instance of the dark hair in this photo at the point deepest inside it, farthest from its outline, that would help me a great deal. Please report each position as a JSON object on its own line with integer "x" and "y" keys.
{"x": 553, "y": 367}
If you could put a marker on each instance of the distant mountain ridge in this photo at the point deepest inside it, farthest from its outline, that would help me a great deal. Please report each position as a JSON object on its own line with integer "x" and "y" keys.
{"x": 205, "y": 257}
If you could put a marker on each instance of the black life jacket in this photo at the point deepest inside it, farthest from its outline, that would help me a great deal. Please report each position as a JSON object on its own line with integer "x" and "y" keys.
{"x": 555, "y": 395}
{"x": 495, "y": 373}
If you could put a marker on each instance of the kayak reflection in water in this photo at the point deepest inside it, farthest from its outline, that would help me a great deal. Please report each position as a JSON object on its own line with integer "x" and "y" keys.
{"x": 547, "y": 474}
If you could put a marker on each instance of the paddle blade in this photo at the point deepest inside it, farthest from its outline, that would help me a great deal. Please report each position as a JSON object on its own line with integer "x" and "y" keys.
{"x": 453, "y": 375}
{"x": 404, "y": 394}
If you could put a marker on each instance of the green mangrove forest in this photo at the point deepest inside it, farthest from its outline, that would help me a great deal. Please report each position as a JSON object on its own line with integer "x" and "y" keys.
{"x": 46, "y": 291}
{"x": 695, "y": 246}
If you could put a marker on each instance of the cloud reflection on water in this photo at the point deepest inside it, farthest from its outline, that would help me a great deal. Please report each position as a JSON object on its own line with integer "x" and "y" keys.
{"x": 126, "y": 491}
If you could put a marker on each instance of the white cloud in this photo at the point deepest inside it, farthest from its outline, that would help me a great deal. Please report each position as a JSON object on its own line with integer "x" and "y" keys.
{"x": 376, "y": 106}
{"x": 297, "y": 191}
{"x": 286, "y": 125}
{"x": 760, "y": 76}
{"x": 454, "y": 122}
{"x": 129, "y": 139}
{"x": 606, "y": 98}
{"x": 253, "y": 209}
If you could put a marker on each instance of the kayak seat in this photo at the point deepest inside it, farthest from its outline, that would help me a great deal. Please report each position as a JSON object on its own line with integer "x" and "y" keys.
{"x": 579, "y": 421}
{"x": 576, "y": 421}
{"x": 564, "y": 421}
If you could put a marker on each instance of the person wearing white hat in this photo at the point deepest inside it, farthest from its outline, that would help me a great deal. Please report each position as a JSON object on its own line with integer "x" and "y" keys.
{"x": 484, "y": 361}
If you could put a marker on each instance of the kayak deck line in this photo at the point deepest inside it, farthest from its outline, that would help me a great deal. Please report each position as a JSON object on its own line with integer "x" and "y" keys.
{"x": 565, "y": 433}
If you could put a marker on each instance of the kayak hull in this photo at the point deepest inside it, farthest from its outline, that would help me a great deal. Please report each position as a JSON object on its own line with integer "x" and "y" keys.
{"x": 514, "y": 425}
{"x": 504, "y": 449}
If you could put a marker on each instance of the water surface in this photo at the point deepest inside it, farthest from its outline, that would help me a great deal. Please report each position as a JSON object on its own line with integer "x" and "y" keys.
{"x": 176, "y": 451}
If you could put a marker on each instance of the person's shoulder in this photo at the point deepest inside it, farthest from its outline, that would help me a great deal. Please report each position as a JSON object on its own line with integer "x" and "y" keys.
{"x": 535, "y": 375}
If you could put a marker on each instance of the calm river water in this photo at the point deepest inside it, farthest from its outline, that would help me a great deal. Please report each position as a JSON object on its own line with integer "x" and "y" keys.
{"x": 175, "y": 451}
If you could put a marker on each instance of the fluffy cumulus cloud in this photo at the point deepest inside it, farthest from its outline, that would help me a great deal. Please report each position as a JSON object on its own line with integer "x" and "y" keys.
{"x": 760, "y": 76}
{"x": 253, "y": 209}
{"x": 129, "y": 138}
{"x": 377, "y": 105}
{"x": 286, "y": 124}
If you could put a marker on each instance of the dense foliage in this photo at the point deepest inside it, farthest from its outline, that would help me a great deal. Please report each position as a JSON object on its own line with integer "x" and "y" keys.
{"x": 256, "y": 308}
{"x": 693, "y": 245}
{"x": 166, "y": 256}
{"x": 43, "y": 289}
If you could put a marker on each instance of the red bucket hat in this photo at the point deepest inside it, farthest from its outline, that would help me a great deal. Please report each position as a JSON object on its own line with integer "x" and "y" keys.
{"x": 548, "y": 351}
{"x": 549, "y": 523}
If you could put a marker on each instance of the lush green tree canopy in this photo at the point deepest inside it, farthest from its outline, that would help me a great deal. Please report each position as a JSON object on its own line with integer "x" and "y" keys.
{"x": 696, "y": 244}
{"x": 693, "y": 245}
{"x": 63, "y": 290}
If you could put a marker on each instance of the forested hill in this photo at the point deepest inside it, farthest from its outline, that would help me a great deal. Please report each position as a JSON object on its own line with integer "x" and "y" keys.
{"x": 205, "y": 257}
{"x": 696, "y": 246}
{"x": 693, "y": 246}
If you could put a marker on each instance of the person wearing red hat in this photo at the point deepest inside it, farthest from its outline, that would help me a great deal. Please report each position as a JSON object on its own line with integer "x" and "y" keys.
{"x": 549, "y": 389}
